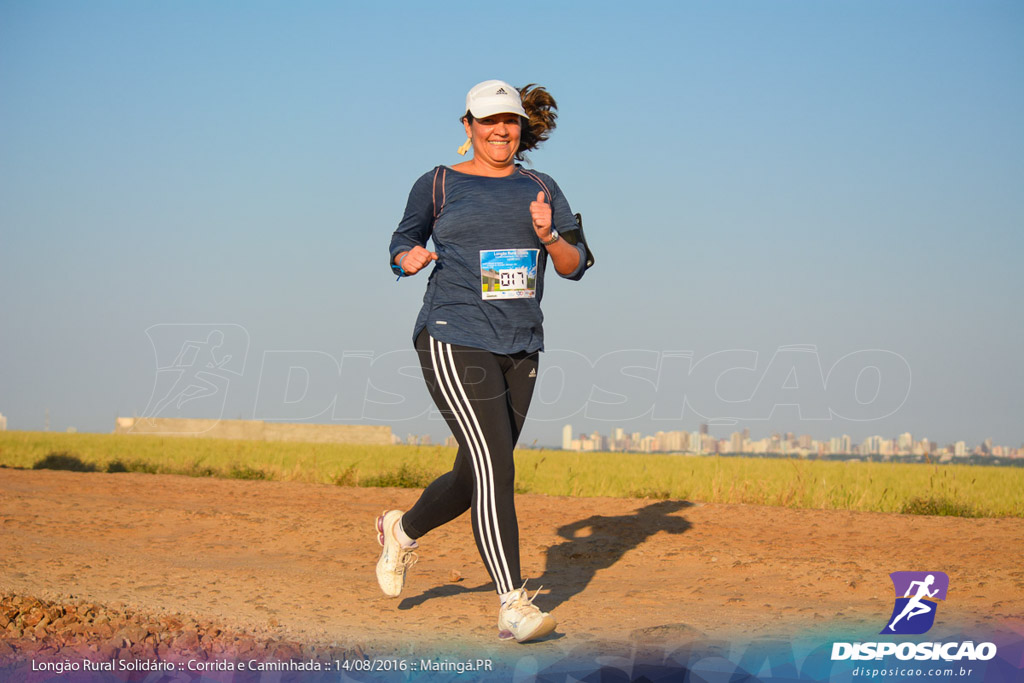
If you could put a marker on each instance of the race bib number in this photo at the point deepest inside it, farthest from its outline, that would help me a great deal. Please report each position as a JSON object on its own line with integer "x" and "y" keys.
{"x": 508, "y": 273}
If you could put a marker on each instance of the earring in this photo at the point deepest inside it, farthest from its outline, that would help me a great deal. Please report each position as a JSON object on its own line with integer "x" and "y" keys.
{"x": 465, "y": 147}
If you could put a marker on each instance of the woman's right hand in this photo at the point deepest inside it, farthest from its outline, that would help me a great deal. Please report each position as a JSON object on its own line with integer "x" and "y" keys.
{"x": 414, "y": 260}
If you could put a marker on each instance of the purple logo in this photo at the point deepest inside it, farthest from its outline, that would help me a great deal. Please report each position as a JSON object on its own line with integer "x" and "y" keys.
{"x": 917, "y": 594}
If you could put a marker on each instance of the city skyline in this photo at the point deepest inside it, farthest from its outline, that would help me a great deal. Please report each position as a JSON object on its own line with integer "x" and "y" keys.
{"x": 777, "y": 443}
{"x": 788, "y": 443}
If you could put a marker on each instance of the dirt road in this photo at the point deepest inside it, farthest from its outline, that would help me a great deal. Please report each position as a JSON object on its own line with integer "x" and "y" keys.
{"x": 296, "y": 561}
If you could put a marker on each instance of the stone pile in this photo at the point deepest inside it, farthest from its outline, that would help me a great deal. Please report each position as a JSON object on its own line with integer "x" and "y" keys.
{"x": 34, "y": 630}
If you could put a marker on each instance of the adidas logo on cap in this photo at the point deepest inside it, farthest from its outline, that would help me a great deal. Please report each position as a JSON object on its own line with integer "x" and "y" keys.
{"x": 494, "y": 97}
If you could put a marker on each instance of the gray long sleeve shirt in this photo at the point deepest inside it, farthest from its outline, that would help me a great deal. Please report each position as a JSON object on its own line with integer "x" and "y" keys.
{"x": 486, "y": 286}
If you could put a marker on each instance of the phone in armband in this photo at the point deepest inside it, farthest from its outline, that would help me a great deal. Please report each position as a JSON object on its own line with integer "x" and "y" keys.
{"x": 576, "y": 236}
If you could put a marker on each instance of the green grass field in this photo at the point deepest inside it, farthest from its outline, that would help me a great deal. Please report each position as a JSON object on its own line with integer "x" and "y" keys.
{"x": 960, "y": 490}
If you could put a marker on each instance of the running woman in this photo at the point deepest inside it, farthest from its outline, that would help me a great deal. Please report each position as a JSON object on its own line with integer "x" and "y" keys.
{"x": 494, "y": 226}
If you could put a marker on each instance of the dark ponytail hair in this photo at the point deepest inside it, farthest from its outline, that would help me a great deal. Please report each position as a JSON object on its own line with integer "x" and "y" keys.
{"x": 541, "y": 111}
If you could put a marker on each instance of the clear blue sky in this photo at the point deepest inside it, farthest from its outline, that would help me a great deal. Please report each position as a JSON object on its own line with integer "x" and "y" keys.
{"x": 842, "y": 176}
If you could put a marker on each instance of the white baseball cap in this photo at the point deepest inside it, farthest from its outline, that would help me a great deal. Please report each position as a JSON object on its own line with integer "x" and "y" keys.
{"x": 494, "y": 97}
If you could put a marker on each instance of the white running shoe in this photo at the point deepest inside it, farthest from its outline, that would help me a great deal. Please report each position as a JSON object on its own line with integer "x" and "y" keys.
{"x": 519, "y": 618}
{"x": 394, "y": 559}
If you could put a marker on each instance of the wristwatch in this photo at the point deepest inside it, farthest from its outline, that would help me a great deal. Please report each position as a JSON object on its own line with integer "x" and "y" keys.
{"x": 554, "y": 237}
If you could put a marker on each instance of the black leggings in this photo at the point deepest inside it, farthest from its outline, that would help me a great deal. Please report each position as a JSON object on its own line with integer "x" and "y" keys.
{"x": 484, "y": 397}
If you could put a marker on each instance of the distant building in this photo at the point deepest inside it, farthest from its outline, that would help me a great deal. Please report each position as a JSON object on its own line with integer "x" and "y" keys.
{"x": 905, "y": 442}
{"x": 567, "y": 437}
{"x": 3, "y": 423}
{"x": 697, "y": 443}
{"x": 874, "y": 445}
{"x": 673, "y": 442}
{"x": 736, "y": 443}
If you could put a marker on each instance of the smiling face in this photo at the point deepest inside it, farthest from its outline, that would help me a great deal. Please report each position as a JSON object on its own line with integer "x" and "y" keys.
{"x": 495, "y": 142}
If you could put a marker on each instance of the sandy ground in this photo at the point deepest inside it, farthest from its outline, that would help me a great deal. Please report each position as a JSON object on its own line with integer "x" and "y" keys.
{"x": 296, "y": 561}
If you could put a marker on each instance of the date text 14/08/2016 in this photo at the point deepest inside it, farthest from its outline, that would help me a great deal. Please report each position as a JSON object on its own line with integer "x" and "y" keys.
{"x": 454, "y": 666}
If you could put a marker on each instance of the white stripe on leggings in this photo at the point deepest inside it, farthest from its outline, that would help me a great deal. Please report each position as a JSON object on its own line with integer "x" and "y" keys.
{"x": 487, "y": 515}
{"x": 444, "y": 383}
{"x": 490, "y": 507}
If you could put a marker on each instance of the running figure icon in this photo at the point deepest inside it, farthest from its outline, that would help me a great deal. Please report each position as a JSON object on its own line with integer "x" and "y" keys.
{"x": 195, "y": 365}
{"x": 917, "y": 595}
{"x": 916, "y": 606}
{"x": 198, "y": 364}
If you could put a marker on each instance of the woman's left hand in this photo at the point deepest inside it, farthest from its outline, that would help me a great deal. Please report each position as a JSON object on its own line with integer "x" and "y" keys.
{"x": 540, "y": 211}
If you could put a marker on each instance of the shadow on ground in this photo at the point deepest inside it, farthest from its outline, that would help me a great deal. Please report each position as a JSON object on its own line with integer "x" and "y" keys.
{"x": 592, "y": 544}
{"x": 598, "y": 542}
{"x": 445, "y": 591}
